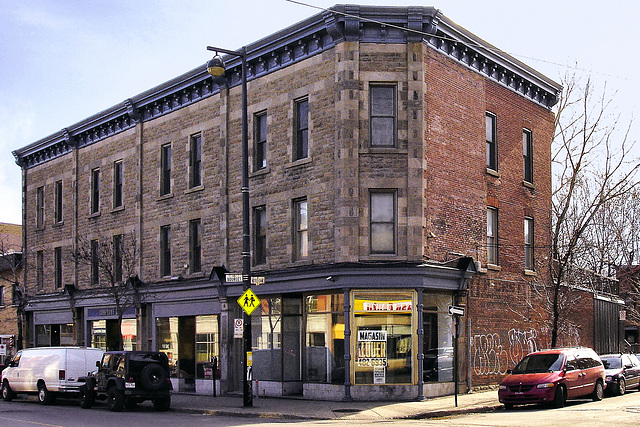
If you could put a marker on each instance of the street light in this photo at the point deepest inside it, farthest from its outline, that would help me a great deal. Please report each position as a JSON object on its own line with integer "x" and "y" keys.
{"x": 216, "y": 68}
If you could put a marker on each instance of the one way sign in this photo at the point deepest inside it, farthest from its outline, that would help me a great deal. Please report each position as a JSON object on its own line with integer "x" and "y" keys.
{"x": 456, "y": 311}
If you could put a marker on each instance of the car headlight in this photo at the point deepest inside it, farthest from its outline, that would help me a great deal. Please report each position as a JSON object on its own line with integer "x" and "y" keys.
{"x": 608, "y": 378}
{"x": 502, "y": 387}
{"x": 545, "y": 385}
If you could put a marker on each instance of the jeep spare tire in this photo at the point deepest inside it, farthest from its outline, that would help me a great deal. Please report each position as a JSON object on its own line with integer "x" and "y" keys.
{"x": 153, "y": 377}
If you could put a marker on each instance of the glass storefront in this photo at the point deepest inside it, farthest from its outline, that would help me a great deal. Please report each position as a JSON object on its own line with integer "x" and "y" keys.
{"x": 438, "y": 344}
{"x": 382, "y": 336}
{"x": 324, "y": 351}
{"x": 54, "y": 335}
{"x": 190, "y": 343}
{"x": 103, "y": 333}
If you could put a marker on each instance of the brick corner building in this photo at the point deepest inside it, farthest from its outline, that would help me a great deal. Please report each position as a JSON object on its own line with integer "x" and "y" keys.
{"x": 399, "y": 165}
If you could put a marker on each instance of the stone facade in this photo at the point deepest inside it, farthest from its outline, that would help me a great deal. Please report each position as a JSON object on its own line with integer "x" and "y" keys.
{"x": 436, "y": 171}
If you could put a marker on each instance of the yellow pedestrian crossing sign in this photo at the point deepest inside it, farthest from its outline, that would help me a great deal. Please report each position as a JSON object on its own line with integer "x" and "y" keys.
{"x": 248, "y": 301}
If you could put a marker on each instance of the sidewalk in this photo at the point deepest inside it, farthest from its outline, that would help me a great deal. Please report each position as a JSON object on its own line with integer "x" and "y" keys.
{"x": 296, "y": 408}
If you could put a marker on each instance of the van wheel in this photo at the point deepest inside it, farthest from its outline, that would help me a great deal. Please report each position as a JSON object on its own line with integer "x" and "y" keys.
{"x": 44, "y": 396}
{"x": 598, "y": 391}
{"x": 87, "y": 399}
{"x": 7, "y": 393}
{"x": 115, "y": 399}
{"x": 559, "y": 398}
{"x": 622, "y": 386}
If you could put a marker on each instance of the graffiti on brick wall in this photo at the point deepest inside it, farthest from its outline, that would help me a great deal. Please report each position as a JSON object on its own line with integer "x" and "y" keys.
{"x": 521, "y": 343}
{"x": 489, "y": 356}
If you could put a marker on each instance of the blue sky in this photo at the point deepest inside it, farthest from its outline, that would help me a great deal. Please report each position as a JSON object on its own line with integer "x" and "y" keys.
{"x": 62, "y": 61}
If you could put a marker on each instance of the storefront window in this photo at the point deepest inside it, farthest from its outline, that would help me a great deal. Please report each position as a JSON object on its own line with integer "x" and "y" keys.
{"x": 43, "y": 335}
{"x": 99, "y": 334}
{"x": 267, "y": 340}
{"x": 66, "y": 334}
{"x": 324, "y": 352}
{"x": 167, "y": 337}
{"x": 383, "y": 339}
{"x": 99, "y": 330}
{"x": 438, "y": 347}
{"x": 206, "y": 342}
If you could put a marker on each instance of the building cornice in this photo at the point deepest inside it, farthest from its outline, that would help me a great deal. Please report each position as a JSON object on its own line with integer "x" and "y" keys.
{"x": 366, "y": 24}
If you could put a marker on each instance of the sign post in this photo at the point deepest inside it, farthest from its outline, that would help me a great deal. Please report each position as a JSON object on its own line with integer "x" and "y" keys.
{"x": 456, "y": 312}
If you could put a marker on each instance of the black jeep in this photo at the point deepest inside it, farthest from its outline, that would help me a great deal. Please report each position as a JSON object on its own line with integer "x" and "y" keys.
{"x": 126, "y": 378}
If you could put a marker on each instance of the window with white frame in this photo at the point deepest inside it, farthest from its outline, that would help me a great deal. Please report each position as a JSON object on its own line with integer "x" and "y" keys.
{"x": 528, "y": 244}
{"x": 527, "y": 155}
{"x": 382, "y": 115}
{"x": 301, "y": 229}
{"x": 383, "y": 222}
{"x": 492, "y": 235}
{"x": 492, "y": 145}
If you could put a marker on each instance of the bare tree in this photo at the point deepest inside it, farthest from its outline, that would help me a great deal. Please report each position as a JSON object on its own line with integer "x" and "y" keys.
{"x": 112, "y": 269}
{"x": 593, "y": 168}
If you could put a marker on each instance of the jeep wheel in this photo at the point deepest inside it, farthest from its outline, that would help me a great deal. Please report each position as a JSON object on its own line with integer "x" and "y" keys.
{"x": 7, "y": 393}
{"x": 115, "y": 399}
{"x": 44, "y": 396}
{"x": 162, "y": 403}
{"x": 598, "y": 391}
{"x": 87, "y": 398}
{"x": 153, "y": 377}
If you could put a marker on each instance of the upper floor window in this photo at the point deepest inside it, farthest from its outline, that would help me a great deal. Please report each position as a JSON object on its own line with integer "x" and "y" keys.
{"x": 492, "y": 235}
{"x": 117, "y": 257}
{"x": 195, "y": 161}
{"x": 165, "y": 169}
{"x": 492, "y": 149}
{"x": 527, "y": 154}
{"x": 260, "y": 235}
{"x": 58, "y": 202}
{"x": 95, "y": 272}
{"x": 95, "y": 190}
{"x": 260, "y": 142}
{"x": 57, "y": 267}
{"x": 301, "y": 131}
{"x": 39, "y": 269}
{"x": 118, "y": 177}
{"x": 165, "y": 250}
{"x": 301, "y": 229}
{"x": 383, "y": 222}
{"x": 195, "y": 246}
{"x": 40, "y": 207}
{"x": 383, "y": 116}
{"x": 528, "y": 244}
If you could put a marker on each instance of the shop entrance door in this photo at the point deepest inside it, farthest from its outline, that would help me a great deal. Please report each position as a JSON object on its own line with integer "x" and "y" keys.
{"x": 187, "y": 354}
{"x": 292, "y": 346}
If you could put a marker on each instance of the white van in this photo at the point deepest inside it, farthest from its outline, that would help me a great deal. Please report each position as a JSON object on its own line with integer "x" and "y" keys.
{"x": 48, "y": 372}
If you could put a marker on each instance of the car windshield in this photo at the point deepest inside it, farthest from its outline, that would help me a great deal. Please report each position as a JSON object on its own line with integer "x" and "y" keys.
{"x": 536, "y": 363}
{"x": 612, "y": 362}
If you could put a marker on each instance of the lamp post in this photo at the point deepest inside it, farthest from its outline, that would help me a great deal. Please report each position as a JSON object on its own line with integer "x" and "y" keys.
{"x": 217, "y": 69}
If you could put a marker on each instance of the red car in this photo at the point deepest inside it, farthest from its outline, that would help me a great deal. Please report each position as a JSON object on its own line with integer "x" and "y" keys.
{"x": 553, "y": 376}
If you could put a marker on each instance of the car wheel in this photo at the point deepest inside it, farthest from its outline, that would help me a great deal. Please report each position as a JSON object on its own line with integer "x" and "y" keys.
{"x": 87, "y": 398}
{"x": 622, "y": 386}
{"x": 560, "y": 397}
{"x": 44, "y": 396}
{"x": 598, "y": 391}
{"x": 7, "y": 393}
{"x": 153, "y": 377}
{"x": 115, "y": 399}
{"x": 162, "y": 403}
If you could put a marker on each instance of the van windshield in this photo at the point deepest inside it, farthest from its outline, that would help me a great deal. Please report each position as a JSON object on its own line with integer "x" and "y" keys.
{"x": 536, "y": 363}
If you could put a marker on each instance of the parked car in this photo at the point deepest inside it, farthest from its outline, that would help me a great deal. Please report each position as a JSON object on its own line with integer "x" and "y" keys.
{"x": 126, "y": 378}
{"x": 622, "y": 372}
{"x": 553, "y": 376}
{"x": 49, "y": 372}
